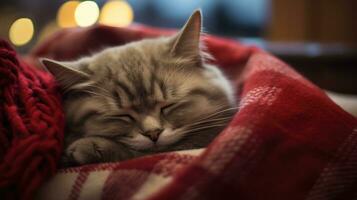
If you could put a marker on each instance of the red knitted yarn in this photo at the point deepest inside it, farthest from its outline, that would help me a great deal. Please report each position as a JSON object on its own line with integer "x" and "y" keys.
{"x": 31, "y": 126}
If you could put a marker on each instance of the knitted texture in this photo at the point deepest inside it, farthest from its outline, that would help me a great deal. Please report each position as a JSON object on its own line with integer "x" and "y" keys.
{"x": 31, "y": 126}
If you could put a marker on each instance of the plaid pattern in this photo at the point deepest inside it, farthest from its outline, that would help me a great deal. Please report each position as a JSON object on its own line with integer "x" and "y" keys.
{"x": 339, "y": 176}
{"x": 117, "y": 180}
{"x": 288, "y": 140}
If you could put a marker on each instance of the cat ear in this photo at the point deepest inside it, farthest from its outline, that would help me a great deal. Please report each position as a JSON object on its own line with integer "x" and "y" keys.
{"x": 65, "y": 75}
{"x": 187, "y": 41}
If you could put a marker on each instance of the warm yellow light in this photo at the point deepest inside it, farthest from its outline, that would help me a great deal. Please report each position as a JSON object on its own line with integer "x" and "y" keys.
{"x": 87, "y": 13}
{"x": 65, "y": 15}
{"x": 116, "y": 13}
{"x": 21, "y": 31}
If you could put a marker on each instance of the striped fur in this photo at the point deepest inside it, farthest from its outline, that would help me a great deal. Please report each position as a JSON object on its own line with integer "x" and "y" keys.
{"x": 144, "y": 97}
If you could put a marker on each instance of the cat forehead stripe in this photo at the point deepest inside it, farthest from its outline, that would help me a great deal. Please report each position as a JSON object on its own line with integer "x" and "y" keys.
{"x": 139, "y": 90}
{"x": 125, "y": 88}
{"x": 117, "y": 99}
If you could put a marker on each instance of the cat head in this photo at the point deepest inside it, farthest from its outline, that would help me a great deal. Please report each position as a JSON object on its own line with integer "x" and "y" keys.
{"x": 150, "y": 95}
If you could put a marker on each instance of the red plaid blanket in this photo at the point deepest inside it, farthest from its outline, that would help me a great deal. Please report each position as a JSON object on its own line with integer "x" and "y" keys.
{"x": 288, "y": 140}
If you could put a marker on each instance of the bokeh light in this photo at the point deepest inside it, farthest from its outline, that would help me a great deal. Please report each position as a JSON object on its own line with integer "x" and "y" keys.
{"x": 116, "y": 13}
{"x": 21, "y": 31}
{"x": 87, "y": 13}
{"x": 65, "y": 15}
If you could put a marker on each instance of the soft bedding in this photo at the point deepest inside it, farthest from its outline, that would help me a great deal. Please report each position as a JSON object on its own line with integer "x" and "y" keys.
{"x": 287, "y": 141}
{"x": 31, "y": 126}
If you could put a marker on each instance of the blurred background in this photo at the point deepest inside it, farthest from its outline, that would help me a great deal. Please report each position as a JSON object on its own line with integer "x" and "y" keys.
{"x": 317, "y": 37}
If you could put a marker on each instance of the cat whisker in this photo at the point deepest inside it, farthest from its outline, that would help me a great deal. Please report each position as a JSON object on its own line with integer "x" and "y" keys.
{"x": 224, "y": 111}
{"x": 217, "y": 119}
{"x": 196, "y": 130}
{"x": 208, "y": 124}
{"x": 221, "y": 115}
{"x": 211, "y": 120}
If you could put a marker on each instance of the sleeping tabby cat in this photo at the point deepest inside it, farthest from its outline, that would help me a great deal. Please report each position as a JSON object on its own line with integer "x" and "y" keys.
{"x": 145, "y": 97}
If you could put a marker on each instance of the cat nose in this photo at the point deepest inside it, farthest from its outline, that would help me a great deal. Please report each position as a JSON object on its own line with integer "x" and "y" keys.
{"x": 153, "y": 134}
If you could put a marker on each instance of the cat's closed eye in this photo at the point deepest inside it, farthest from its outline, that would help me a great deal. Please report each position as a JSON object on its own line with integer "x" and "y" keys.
{"x": 167, "y": 108}
{"x": 125, "y": 118}
{"x": 175, "y": 107}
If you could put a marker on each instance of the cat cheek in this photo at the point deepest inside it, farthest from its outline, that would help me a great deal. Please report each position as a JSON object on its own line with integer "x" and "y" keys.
{"x": 168, "y": 137}
{"x": 139, "y": 142}
{"x": 177, "y": 120}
